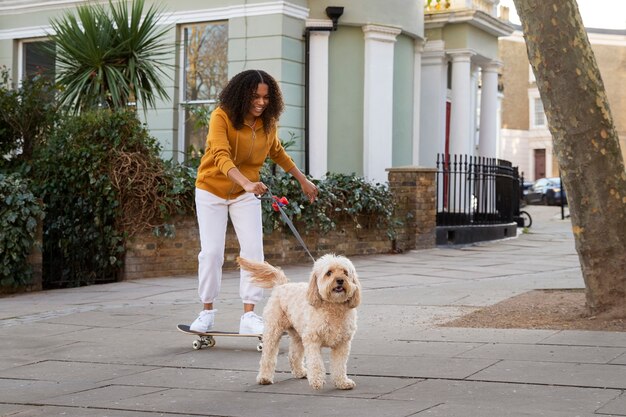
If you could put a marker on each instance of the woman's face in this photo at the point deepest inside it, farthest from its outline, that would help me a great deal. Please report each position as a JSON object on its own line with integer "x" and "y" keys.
{"x": 260, "y": 100}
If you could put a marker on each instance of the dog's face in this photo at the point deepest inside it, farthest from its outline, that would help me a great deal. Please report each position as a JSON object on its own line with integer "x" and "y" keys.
{"x": 334, "y": 279}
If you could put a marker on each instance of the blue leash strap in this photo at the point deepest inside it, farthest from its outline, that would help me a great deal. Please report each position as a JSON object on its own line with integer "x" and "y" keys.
{"x": 288, "y": 222}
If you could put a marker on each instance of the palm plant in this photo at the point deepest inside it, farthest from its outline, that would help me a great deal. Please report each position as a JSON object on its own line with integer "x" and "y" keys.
{"x": 110, "y": 58}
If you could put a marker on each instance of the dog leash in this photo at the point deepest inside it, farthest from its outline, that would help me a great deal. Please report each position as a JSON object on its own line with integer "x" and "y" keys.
{"x": 277, "y": 205}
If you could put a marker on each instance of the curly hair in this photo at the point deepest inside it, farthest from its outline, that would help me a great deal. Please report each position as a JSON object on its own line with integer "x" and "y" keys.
{"x": 236, "y": 98}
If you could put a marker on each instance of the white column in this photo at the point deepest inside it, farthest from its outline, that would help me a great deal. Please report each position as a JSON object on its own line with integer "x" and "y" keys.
{"x": 318, "y": 102}
{"x": 487, "y": 145}
{"x": 433, "y": 90}
{"x": 474, "y": 103}
{"x": 461, "y": 138}
{"x": 499, "y": 126}
{"x": 378, "y": 101}
{"x": 418, "y": 48}
{"x": 549, "y": 167}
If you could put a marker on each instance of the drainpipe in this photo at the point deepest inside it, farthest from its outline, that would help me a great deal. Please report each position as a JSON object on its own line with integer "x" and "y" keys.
{"x": 333, "y": 13}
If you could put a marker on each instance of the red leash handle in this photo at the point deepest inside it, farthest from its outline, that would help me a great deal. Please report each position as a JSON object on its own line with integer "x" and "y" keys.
{"x": 279, "y": 202}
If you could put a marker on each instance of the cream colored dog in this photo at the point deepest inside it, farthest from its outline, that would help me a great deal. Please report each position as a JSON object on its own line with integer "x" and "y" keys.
{"x": 317, "y": 314}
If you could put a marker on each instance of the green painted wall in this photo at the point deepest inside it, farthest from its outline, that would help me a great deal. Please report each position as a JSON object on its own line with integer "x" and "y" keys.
{"x": 275, "y": 44}
{"x": 163, "y": 119}
{"x": 404, "y": 58}
{"x": 405, "y": 14}
{"x": 345, "y": 119}
{"x": 465, "y": 36}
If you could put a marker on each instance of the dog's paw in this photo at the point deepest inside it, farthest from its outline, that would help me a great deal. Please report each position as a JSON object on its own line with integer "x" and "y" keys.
{"x": 262, "y": 380}
{"x": 345, "y": 384}
{"x": 316, "y": 383}
{"x": 299, "y": 373}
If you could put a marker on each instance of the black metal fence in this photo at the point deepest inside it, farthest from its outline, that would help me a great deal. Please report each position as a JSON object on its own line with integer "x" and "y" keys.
{"x": 473, "y": 190}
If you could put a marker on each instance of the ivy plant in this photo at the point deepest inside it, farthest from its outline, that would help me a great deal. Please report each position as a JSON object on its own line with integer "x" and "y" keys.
{"x": 341, "y": 197}
{"x": 19, "y": 215}
{"x": 102, "y": 180}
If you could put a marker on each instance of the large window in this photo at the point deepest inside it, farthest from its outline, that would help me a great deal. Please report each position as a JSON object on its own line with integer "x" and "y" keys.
{"x": 36, "y": 58}
{"x": 205, "y": 60}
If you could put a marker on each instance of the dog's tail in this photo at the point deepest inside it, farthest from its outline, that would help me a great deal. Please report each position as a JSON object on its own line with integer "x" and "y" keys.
{"x": 263, "y": 274}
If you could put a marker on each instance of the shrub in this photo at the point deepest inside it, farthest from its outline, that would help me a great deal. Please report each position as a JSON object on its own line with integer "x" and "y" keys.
{"x": 27, "y": 115}
{"x": 341, "y": 196}
{"x": 102, "y": 180}
{"x": 19, "y": 214}
{"x": 81, "y": 243}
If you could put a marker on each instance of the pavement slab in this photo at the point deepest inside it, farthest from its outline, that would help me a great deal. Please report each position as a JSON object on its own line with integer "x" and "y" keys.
{"x": 498, "y": 399}
{"x": 57, "y": 411}
{"x": 31, "y": 391}
{"x": 545, "y": 353}
{"x": 587, "y": 338}
{"x": 560, "y": 373}
{"x": 481, "y": 335}
{"x": 412, "y": 348}
{"x": 193, "y": 402}
{"x": 416, "y": 367}
{"x": 616, "y": 407}
{"x": 57, "y": 371}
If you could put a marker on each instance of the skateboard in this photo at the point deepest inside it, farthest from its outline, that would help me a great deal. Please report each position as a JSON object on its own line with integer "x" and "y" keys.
{"x": 208, "y": 339}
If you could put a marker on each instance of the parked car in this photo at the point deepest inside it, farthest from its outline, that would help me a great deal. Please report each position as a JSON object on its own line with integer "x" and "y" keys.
{"x": 526, "y": 186}
{"x": 546, "y": 191}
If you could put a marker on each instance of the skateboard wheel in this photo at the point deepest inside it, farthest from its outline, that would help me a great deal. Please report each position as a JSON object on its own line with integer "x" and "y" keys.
{"x": 210, "y": 342}
{"x": 197, "y": 344}
{"x": 259, "y": 347}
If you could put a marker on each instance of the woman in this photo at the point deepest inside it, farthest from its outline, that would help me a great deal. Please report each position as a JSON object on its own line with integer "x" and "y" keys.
{"x": 242, "y": 134}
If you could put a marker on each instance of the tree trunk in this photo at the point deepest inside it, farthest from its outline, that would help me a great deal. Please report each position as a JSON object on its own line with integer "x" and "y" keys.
{"x": 585, "y": 142}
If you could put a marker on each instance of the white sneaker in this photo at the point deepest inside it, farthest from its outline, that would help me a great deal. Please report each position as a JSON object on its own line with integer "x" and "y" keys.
{"x": 204, "y": 322}
{"x": 251, "y": 324}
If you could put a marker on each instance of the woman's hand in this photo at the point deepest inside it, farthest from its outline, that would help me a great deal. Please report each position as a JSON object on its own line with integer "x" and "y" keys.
{"x": 256, "y": 188}
{"x": 309, "y": 189}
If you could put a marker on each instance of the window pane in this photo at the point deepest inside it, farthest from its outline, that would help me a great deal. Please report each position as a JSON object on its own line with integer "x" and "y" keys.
{"x": 196, "y": 128}
{"x": 206, "y": 60}
{"x": 539, "y": 114}
{"x": 38, "y": 60}
{"x": 206, "y": 74}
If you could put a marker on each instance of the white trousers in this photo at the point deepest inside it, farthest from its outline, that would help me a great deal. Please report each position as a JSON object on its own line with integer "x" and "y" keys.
{"x": 245, "y": 215}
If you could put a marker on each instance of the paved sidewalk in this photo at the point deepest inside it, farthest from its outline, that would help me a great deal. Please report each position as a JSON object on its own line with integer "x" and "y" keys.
{"x": 113, "y": 350}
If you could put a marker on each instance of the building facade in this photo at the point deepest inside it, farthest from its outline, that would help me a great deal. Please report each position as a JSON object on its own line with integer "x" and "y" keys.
{"x": 525, "y": 138}
{"x": 368, "y": 85}
{"x": 460, "y": 92}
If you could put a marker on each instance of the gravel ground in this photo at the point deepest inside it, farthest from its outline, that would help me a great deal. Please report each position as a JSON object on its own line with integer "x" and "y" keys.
{"x": 540, "y": 309}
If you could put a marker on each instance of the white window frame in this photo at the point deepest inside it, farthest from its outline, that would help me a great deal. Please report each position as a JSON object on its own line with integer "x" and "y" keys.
{"x": 20, "y": 54}
{"x": 533, "y": 97}
{"x": 182, "y": 145}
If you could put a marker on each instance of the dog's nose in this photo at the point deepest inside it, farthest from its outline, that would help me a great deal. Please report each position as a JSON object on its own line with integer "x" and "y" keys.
{"x": 339, "y": 282}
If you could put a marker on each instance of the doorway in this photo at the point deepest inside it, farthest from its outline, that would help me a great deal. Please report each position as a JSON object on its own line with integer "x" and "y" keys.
{"x": 540, "y": 163}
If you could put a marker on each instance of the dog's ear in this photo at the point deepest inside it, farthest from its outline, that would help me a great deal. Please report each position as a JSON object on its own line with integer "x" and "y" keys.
{"x": 313, "y": 295}
{"x": 355, "y": 300}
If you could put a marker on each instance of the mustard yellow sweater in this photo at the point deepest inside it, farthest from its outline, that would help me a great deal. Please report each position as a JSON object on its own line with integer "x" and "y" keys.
{"x": 227, "y": 148}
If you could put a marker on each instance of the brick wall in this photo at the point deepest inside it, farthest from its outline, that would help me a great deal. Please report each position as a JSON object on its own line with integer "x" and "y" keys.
{"x": 414, "y": 192}
{"x": 414, "y": 196}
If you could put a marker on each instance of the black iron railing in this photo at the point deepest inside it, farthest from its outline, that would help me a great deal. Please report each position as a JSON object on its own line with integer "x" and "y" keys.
{"x": 473, "y": 190}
